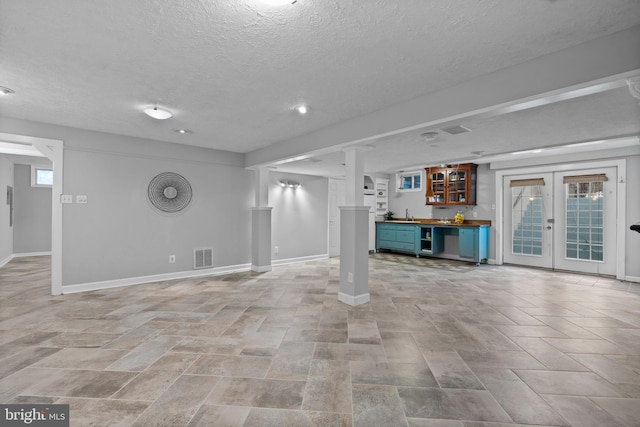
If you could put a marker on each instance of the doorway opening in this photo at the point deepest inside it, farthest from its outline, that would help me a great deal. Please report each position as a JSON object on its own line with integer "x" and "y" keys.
{"x": 53, "y": 150}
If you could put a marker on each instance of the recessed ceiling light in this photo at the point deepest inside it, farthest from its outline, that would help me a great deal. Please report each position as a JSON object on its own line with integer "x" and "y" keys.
{"x": 6, "y": 91}
{"x": 182, "y": 131}
{"x": 301, "y": 109}
{"x": 158, "y": 113}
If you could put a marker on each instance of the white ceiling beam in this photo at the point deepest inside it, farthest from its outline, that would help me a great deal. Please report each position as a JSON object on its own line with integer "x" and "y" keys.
{"x": 594, "y": 62}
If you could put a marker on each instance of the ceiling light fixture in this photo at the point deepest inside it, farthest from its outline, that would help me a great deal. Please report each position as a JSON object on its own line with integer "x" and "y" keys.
{"x": 289, "y": 184}
{"x": 301, "y": 109}
{"x": 158, "y": 113}
{"x": 182, "y": 131}
{"x": 6, "y": 91}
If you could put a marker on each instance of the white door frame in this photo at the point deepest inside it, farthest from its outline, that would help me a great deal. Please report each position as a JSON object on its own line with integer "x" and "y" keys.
{"x": 53, "y": 150}
{"x": 620, "y": 164}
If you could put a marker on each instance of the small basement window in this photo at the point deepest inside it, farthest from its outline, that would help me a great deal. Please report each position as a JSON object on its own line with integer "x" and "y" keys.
{"x": 41, "y": 177}
{"x": 409, "y": 181}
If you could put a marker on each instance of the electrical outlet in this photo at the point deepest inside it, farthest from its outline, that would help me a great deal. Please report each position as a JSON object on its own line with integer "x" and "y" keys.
{"x": 81, "y": 199}
{"x": 172, "y": 259}
{"x": 66, "y": 198}
{"x": 350, "y": 277}
{"x": 475, "y": 214}
{"x": 276, "y": 250}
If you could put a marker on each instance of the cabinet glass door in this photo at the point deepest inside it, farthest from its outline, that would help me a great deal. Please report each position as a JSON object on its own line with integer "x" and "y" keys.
{"x": 437, "y": 182}
{"x": 457, "y": 186}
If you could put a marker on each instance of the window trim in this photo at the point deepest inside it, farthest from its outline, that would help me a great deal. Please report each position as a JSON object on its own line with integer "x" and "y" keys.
{"x": 401, "y": 175}
{"x": 34, "y": 172}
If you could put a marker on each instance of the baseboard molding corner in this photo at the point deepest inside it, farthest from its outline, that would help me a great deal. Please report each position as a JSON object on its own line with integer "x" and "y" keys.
{"x": 6, "y": 261}
{"x": 260, "y": 268}
{"x": 354, "y": 300}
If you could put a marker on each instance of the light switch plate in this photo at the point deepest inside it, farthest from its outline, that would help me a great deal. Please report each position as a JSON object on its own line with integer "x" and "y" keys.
{"x": 66, "y": 198}
{"x": 81, "y": 199}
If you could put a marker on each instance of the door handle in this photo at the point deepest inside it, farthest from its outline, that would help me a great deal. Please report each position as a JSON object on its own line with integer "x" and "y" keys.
{"x": 548, "y": 227}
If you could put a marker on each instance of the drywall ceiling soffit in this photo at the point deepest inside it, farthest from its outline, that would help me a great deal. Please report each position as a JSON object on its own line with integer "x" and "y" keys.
{"x": 231, "y": 70}
{"x": 604, "y": 115}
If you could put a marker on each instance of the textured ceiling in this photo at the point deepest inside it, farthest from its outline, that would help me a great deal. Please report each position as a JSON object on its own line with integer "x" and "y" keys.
{"x": 232, "y": 70}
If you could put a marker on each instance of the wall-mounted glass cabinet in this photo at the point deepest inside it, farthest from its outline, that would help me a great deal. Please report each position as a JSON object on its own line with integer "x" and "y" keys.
{"x": 451, "y": 184}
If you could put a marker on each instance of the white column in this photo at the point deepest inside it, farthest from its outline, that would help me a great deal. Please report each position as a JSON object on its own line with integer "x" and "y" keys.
{"x": 261, "y": 223}
{"x": 354, "y": 184}
{"x": 354, "y": 234}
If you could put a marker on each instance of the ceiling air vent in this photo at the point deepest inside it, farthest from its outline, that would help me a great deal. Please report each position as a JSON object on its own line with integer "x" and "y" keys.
{"x": 454, "y": 130}
{"x": 202, "y": 258}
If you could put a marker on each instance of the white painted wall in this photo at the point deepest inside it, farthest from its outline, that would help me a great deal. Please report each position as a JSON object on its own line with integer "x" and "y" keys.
{"x": 299, "y": 217}
{"x": 6, "y": 232}
{"x": 32, "y": 214}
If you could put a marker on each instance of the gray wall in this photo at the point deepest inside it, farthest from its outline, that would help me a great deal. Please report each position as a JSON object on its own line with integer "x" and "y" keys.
{"x": 32, "y": 214}
{"x": 118, "y": 234}
{"x": 6, "y": 232}
{"x": 299, "y": 217}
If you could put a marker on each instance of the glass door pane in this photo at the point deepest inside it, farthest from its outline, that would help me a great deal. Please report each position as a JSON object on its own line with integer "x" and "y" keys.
{"x": 584, "y": 218}
{"x": 437, "y": 180}
{"x": 526, "y": 220}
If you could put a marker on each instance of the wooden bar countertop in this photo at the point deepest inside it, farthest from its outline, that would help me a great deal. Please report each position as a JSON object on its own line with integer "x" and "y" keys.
{"x": 438, "y": 222}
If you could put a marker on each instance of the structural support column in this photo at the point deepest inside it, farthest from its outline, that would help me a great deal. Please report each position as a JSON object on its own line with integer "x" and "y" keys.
{"x": 261, "y": 224}
{"x": 354, "y": 234}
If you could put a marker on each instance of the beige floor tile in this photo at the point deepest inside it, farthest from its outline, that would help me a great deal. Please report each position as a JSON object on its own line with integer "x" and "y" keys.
{"x": 278, "y": 347}
{"x": 267, "y": 393}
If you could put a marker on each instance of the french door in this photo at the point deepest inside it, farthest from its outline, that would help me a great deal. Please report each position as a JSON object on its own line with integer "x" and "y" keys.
{"x": 563, "y": 220}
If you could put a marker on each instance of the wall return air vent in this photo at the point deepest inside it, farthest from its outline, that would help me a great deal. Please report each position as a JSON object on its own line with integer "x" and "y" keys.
{"x": 202, "y": 258}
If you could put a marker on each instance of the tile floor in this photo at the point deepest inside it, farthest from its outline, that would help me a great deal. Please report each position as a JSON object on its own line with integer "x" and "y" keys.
{"x": 441, "y": 344}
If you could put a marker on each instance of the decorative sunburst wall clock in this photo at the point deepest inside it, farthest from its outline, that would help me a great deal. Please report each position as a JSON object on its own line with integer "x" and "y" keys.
{"x": 170, "y": 192}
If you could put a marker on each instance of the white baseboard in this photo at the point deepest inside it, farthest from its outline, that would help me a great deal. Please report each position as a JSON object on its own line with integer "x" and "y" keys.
{"x": 299, "y": 259}
{"x": 217, "y": 271}
{"x": 12, "y": 256}
{"x": 354, "y": 300}
{"x": 260, "y": 268}
{"x": 48, "y": 253}
{"x": 6, "y": 261}
{"x": 632, "y": 279}
{"x": 94, "y": 286}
